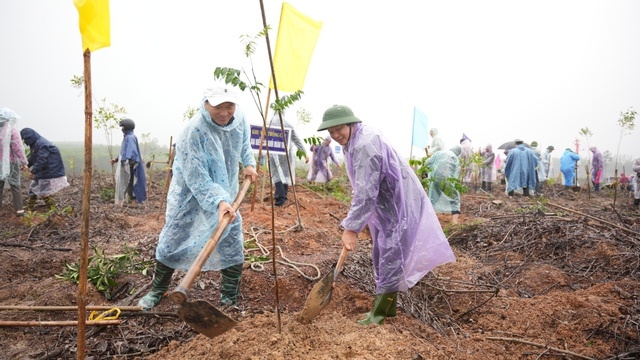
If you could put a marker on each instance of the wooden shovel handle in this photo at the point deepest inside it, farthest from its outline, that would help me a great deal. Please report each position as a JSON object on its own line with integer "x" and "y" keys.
{"x": 179, "y": 295}
{"x": 343, "y": 256}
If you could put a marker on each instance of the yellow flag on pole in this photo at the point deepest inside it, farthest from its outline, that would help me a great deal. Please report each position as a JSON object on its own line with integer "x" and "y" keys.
{"x": 297, "y": 37}
{"x": 94, "y": 23}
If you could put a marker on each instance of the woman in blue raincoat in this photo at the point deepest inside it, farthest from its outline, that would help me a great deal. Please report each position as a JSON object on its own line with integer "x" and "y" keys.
{"x": 204, "y": 184}
{"x": 130, "y": 177}
{"x": 568, "y": 166}
{"x": 387, "y": 196}
{"x": 46, "y": 169}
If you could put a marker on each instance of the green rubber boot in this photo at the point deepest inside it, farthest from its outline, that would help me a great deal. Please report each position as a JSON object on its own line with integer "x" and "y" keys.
{"x": 392, "y": 312}
{"x": 380, "y": 310}
{"x": 50, "y": 201}
{"x": 230, "y": 285}
{"x": 161, "y": 282}
{"x": 31, "y": 202}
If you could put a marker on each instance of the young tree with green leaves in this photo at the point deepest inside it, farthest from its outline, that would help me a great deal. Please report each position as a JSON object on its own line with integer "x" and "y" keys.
{"x": 626, "y": 123}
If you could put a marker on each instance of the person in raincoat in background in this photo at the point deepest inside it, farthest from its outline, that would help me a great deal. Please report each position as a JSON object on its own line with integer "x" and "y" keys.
{"x": 130, "y": 177}
{"x": 520, "y": 169}
{"x": 387, "y": 196}
{"x": 204, "y": 184}
{"x": 545, "y": 164}
{"x": 487, "y": 171}
{"x": 466, "y": 158}
{"x": 597, "y": 168}
{"x": 46, "y": 169}
{"x": 12, "y": 158}
{"x": 539, "y": 171}
{"x": 320, "y": 171}
{"x": 636, "y": 194}
{"x": 280, "y": 175}
{"x": 437, "y": 143}
{"x": 443, "y": 165}
{"x": 567, "y": 166}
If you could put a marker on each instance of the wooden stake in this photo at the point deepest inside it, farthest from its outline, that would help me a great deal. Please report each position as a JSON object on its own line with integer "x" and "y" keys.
{"x": 59, "y": 323}
{"x": 167, "y": 181}
{"x": 70, "y": 308}
{"x": 86, "y": 207}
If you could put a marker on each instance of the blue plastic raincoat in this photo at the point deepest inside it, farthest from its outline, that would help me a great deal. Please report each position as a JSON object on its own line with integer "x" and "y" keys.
{"x": 520, "y": 168}
{"x": 407, "y": 238}
{"x": 130, "y": 154}
{"x": 205, "y": 172}
{"x": 444, "y": 164}
{"x": 567, "y": 166}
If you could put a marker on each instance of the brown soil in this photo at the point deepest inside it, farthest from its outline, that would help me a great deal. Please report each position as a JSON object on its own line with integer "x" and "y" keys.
{"x": 532, "y": 280}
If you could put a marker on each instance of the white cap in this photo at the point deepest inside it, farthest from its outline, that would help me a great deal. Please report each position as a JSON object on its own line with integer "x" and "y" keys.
{"x": 220, "y": 94}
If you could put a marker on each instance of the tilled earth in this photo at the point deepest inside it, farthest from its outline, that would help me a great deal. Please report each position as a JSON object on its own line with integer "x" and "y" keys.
{"x": 533, "y": 279}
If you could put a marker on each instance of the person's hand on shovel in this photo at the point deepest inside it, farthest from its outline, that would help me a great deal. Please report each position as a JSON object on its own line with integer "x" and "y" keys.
{"x": 349, "y": 240}
{"x": 224, "y": 208}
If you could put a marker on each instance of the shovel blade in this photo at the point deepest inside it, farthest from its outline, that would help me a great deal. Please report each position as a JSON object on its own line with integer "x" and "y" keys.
{"x": 204, "y": 318}
{"x": 318, "y": 298}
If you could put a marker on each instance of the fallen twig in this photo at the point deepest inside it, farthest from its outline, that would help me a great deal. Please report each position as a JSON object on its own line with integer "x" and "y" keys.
{"x": 35, "y": 248}
{"x": 597, "y": 219}
{"x": 540, "y": 346}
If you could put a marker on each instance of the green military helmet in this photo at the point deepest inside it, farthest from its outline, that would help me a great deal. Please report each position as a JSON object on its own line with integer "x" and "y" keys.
{"x": 337, "y": 115}
{"x": 534, "y": 143}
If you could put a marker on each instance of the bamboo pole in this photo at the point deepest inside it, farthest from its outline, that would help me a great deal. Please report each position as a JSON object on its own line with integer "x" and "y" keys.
{"x": 69, "y": 308}
{"x": 264, "y": 130}
{"x": 167, "y": 181}
{"x": 273, "y": 236}
{"x": 58, "y": 323}
{"x": 86, "y": 207}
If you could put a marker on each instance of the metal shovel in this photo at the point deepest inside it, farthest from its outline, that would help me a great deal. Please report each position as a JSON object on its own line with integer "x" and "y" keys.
{"x": 200, "y": 315}
{"x": 320, "y": 295}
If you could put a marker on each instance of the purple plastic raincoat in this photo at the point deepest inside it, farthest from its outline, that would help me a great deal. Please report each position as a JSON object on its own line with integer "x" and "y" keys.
{"x": 321, "y": 154}
{"x": 597, "y": 163}
{"x": 407, "y": 238}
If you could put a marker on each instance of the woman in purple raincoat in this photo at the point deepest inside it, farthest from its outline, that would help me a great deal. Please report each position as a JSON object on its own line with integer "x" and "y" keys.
{"x": 387, "y": 196}
{"x": 320, "y": 172}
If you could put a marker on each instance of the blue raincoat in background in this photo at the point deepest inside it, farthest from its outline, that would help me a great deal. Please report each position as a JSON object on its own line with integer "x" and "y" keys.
{"x": 520, "y": 168}
{"x": 205, "y": 172}
{"x": 407, "y": 238}
{"x": 45, "y": 161}
{"x": 130, "y": 154}
{"x": 444, "y": 164}
{"x": 567, "y": 166}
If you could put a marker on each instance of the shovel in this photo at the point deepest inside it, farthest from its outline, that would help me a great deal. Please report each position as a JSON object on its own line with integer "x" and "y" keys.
{"x": 199, "y": 314}
{"x": 320, "y": 295}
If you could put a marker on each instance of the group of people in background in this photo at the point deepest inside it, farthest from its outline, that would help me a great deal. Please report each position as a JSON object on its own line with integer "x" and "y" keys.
{"x": 388, "y": 197}
{"x": 45, "y": 167}
{"x": 526, "y": 168}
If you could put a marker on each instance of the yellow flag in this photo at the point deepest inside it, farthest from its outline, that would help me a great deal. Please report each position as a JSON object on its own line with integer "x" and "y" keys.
{"x": 94, "y": 23}
{"x": 297, "y": 37}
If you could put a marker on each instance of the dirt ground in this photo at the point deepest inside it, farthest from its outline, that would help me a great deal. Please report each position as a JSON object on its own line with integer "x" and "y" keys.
{"x": 554, "y": 278}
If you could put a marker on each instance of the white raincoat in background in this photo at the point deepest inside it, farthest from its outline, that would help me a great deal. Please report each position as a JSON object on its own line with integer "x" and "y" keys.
{"x": 205, "y": 172}
{"x": 279, "y": 167}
